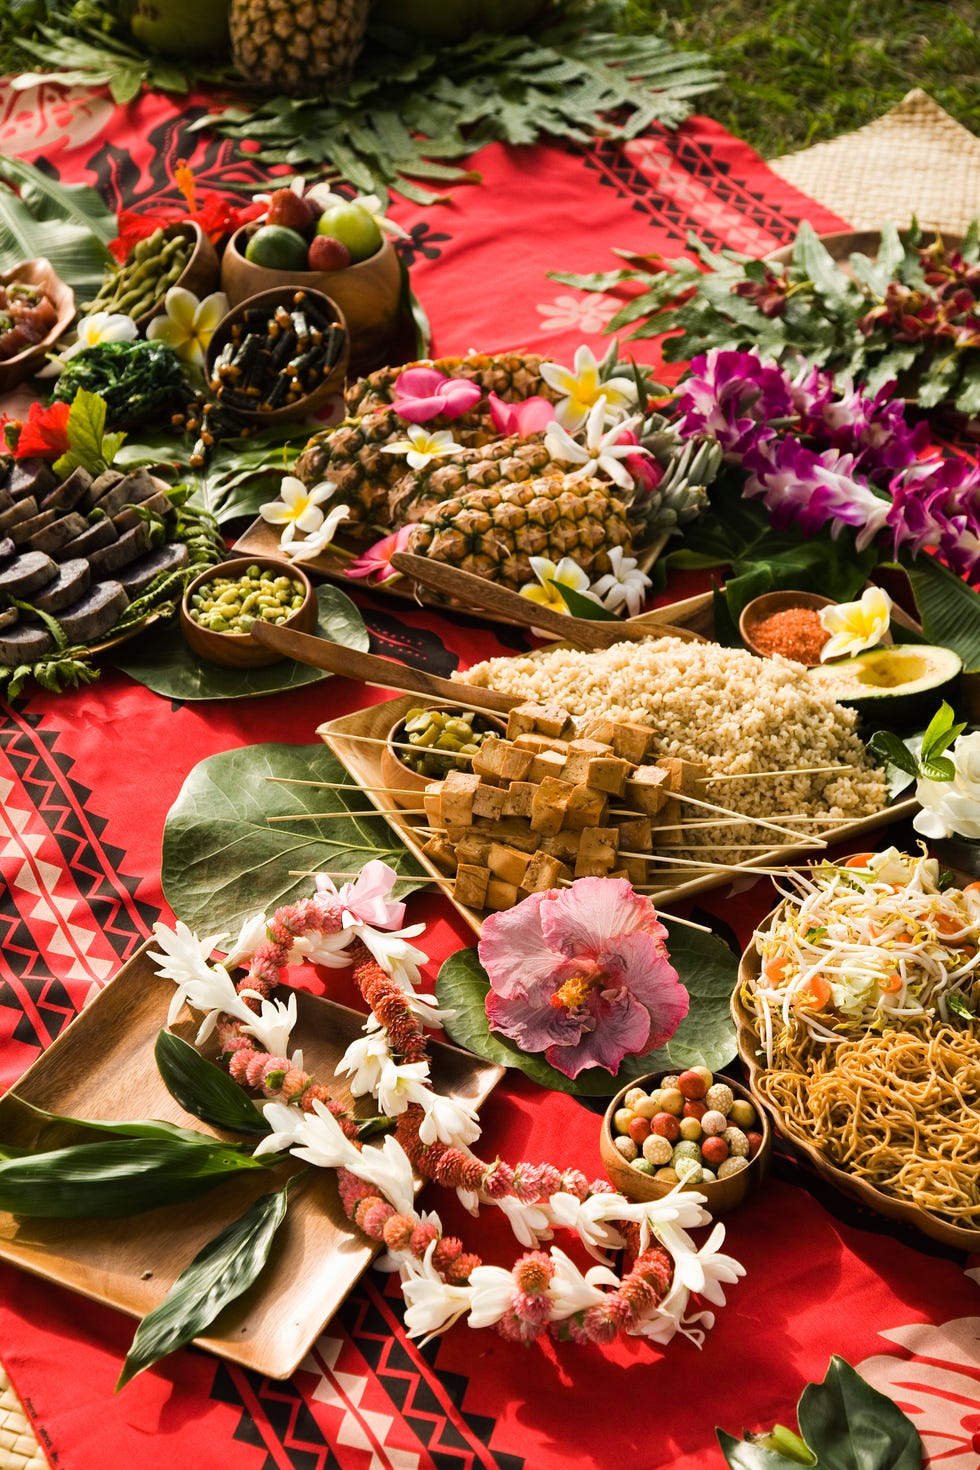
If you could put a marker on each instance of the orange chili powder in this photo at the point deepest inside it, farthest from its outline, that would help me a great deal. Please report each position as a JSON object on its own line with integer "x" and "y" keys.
{"x": 795, "y": 632}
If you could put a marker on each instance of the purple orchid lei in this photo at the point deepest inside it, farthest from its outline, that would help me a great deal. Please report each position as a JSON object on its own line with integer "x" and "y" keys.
{"x": 820, "y": 456}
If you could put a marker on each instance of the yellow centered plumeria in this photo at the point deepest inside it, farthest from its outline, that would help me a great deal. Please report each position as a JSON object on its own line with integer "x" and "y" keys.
{"x": 99, "y": 327}
{"x": 188, "y": 324}
{"x": 855, "y": 626}
{"x": 422, "y": 445}
{"x": 545, "y": 591}
{"x": 582, "y": 386}
{"x": 298, "y": 508}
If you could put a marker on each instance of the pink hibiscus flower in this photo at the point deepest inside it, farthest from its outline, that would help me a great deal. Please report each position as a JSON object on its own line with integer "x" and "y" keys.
{"x": 375, "y": 563}
{"x": 582, "y": 974}
{"x": 527, "y": 417}
{"x": 424, "y": 393}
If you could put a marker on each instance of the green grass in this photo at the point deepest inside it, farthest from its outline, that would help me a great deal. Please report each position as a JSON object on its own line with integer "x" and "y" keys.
{"x": 798, "y": 71}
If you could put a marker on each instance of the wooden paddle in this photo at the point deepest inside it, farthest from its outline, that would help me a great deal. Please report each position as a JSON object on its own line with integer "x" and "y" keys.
{"x": 478, "y": 593}
{"x": 349, "y": 663}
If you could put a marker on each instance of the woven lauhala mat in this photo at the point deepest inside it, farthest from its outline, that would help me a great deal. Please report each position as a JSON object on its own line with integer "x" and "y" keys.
{"x": 915, "y": 160}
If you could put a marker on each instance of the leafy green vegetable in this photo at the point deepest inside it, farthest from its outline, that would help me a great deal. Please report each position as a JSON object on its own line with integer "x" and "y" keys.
{"x": 218, "y": 1275}
{"x": 221, "y": 856}
{"x": 845, "y": 1424}
{"x": 203, "y": 1089}
{"x": 67, "y": 224}
{"x": 89, "y": 445}
{"x": 705, "y": 1037}
{"x": 164, "y": 663}
{"x": 137, "y": 380}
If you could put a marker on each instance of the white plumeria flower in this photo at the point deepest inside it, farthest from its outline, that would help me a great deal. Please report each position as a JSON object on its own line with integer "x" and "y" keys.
{"x": 370, "y": 202}
{"x": 363, "y": 1062}
{"x": 603, "y": 451}
{"x": 402, "y": 1084}
{"x": 448, "y": 1120}
{"x": 433, "y": 1304}
{"x": 316, "y": 542}
{"x": 854, "y": 626}
{"x": 581, "y": 385}
{"x": 423, "y": 445}
{"x": 547, "y": 572}
{"x": 491, "y": 1295}
{"x": 529, "y": 1223}
{"x": 569, "y": 1291}
{"x": 298, "y": 507}
{"x": 274, "y": 1023}
{"x": 626, "y": 585}
{"x": 188, "y": 324}
{"x": 99, "y": 327}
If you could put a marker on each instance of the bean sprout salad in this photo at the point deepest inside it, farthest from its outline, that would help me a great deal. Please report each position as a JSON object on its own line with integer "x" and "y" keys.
{"x": 873, "y": 943}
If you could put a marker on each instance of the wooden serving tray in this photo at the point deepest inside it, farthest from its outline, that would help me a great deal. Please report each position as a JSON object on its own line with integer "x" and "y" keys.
{"x": 858, "y": 1189}
{"x": 102, "y": 1067}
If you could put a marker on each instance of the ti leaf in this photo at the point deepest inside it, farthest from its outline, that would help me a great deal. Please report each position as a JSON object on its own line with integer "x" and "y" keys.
{"x": 704, "y": 1038}
{"x": 72, "y": 1129}
{"x": 218, "y": 1275}
{"x": 581, "y": 606}
{"x": 203, "y": 1089}
{"x": 221, "y": 856}
{"x": 90, "y": 445}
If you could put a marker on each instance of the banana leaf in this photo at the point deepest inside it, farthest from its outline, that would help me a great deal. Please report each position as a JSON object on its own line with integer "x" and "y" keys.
{"x": 67, "y": 224}
{"x": 949, "y": 609}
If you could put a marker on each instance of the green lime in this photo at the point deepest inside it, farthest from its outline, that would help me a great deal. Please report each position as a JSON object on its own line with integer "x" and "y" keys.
{"x": 277, "y": 248}
{"x": 353, "y": 227}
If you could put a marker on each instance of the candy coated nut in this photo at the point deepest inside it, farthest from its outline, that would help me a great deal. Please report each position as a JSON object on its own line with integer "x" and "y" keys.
{"x": 737, "y": 1142}
{"x": 671, "y": 1101}
{"x": 720, "y": 1098}
{"x": 714, "y": 1122}
{"x": 694, "y": 1108}
{"x": 708, "y": 1176}
{"x": 686, "y": 1149}
{"x": 639, "y": 1129}
{"x": 732, "y": 1166}
{"x": 622, "y": 1118}
{"x": 742, "y": 1113}
{"x": 633, "y": 1097}
{"x": 714, "y": 1151}
{"x": 641, "y": 1166}
{"x": 689, "y": 1170}
{"x": 666, "y": 1125}
{"x": 754, "y": 1141}
{"x": 669, "y": 1176}
{"x": 626, "y": 1147}
{"x": 671, "y": 1080}
{"x": 657, "y": 1150}
{"x": 691, "y": 1128}
{"x": 646, "y": 1107}
{"x": 692, "y": 1084}
{"x": 654, "y": 1096}
{"x": 706, "y": 1073}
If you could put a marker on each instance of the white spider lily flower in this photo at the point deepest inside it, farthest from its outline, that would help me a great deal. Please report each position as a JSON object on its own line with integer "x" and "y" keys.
{"x": 590, "y": 1219}
{"x": 363, "y": 1062}
{"x": 315, "y": 1137}
{"x": 529, "y": 1223}
{"x": 422, "y": 445}
{"x": 254, "y": 931}
{"x": 603, "y": 450}
{"x": 99, "y": 327}
{"x": 469, "y": 1199}
{"x": 315, "y": 543}
{"x": 569, "y": 1291}
{"x": 388, "y": 1168}
{"x": 287, "y": 1128}
{"x": 491, "y": 1295}
{"x": 274, "y": 1023}
{"x": 581, "y": 385}
{"x": 298, "y": 507}
{"x": 448, "y": 1120}
{"x": 188, "y": 324}
{"x": 626, "y": 585}
{"x": 433, "y": 1305}
{"x": 400, "y": 1085}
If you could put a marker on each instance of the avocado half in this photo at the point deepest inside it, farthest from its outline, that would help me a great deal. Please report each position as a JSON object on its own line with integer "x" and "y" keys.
{"x": 893, "y": 685}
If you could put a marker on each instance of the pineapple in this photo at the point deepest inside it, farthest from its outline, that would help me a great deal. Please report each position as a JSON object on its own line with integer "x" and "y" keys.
{"x": 296, "y": 47}
{"x": 513, "y": 376}
{"x": 494, "y": 532}
{"x": 511, "y": 461}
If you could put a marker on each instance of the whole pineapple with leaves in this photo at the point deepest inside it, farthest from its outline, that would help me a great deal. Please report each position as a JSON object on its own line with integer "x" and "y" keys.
{"x": 297, "y": 47}
{"x": 511, "y": 461}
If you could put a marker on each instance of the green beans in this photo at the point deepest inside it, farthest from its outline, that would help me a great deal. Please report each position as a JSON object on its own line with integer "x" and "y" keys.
{"x": 145, "y": 276}
{"x": 444, "y": 741}
{"x": 233, "y": 604}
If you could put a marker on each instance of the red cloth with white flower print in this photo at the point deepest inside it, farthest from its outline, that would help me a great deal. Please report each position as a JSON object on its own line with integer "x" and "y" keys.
{"x": 86, "y": 780}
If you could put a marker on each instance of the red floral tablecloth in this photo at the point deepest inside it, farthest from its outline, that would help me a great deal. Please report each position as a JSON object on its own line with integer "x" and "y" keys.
{"x": 86, "y": 780}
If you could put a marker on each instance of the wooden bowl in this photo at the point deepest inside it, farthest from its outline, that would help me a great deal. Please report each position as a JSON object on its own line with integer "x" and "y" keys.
{"x": 763, "y": 607}
{"x": 200, "y": 274}
{"x": 266, "y": 302}
{"x": 893, "y": 1208}
{"x": 405, "y": 786}
{"x": 721, "y": 1195}
{"x": 238, "y": 650}
{"x": 368, "y": 293}
{"x": 845, "y": 243}
{"x": 39, "y": 273}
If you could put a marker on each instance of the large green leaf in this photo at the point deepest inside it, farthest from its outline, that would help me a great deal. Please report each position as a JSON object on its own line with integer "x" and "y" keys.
{"x": 706, "y": 1036}
{"x": 68, "y": 224}
{"x": 949, "y": 609}
{"x": 122, "y": 1176}
{"x": 56, "y": 1130}
{"x": 221, "y": 857}
{"x": 219, "y": 1274}
{"x": 203, "y": 1089}
{"x": 163, "y": 662}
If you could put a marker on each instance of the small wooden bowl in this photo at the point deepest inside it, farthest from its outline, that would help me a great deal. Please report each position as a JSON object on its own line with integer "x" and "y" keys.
{"x": 39, "y": 273}
{"x": 267, "y": 301}
{"x": 763, "y": 607}
{"x": 721, "y": 1195}
{"x": 239, "y": 650}
{"x": 200, "y": 274}
{"x": 405, "y": 786}
{"x": 368, "y": 293}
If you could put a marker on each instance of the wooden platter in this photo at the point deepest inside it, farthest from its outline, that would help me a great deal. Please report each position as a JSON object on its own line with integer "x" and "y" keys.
{"x": 102, "y": 1067}
{"x": 858, "y": 1189}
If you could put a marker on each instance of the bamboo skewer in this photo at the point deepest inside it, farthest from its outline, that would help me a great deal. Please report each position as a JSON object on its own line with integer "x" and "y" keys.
{"x": 757, "y": 775}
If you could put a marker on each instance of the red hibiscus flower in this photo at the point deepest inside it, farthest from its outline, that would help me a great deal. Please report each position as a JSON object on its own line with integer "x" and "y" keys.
{"x": 45, "y": 435}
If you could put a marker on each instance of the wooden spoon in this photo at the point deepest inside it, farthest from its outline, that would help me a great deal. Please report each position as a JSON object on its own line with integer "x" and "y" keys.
{"x": 477, "y": 592}
{"x": 349, "y": 663}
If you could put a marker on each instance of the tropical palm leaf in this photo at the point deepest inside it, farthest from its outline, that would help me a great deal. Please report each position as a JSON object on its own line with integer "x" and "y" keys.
{"x": 68, "y": 224}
